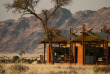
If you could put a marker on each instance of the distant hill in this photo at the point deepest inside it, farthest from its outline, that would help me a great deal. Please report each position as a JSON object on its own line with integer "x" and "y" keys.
{"x": 25, "y": 33}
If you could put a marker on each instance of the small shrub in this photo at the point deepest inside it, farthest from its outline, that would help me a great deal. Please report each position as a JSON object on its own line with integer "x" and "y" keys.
{"x": 15, "y": 59}
{"x": 2, "y": 70}
{"x": 17, "y": 68}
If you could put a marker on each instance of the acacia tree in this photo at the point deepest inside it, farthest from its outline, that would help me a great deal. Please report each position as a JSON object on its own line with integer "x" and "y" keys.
{"x": 27, "y": 7}
{"x": 21, "y": 54}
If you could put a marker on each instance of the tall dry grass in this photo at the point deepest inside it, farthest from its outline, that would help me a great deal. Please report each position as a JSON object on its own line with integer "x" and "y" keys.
{"x": 52, "y": 69}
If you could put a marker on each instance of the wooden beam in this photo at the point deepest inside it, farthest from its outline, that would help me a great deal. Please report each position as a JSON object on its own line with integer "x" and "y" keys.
{"x": 63, "y": 37}
{"x": 87, "y": 41}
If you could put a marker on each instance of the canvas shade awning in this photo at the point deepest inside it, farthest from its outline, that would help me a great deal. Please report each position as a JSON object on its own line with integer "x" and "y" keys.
{"x": 55, "y": 39}
{"x": 90, "y": 37}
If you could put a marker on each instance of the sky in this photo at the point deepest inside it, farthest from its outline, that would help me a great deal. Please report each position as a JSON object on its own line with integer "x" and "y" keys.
{"x": 75, "y": 6}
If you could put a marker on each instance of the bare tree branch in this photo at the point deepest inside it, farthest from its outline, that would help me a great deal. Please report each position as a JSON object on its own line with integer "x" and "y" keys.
{"x": 56, "y": 7}
{"x": 36, "y": 15}
{"x": 24, "y": 14}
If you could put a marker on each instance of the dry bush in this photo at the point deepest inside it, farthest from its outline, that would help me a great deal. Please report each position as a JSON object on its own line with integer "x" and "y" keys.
{"x": 2, "y": 70}
{"x": 18, "y": 68}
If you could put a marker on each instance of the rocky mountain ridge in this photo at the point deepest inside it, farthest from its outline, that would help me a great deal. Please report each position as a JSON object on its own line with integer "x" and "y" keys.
{"x": 25, "y": 33}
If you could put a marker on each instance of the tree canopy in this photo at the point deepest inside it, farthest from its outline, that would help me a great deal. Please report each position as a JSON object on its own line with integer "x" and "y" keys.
{"x": 27, "y": 6}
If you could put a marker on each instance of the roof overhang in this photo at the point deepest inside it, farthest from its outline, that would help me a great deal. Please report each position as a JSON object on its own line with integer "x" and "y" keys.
{"x": 90, "y": 37}
{"x": 55, "y": 39}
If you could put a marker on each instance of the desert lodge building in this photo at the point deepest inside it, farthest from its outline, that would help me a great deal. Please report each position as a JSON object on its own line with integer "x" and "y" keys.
{"x": 87, "y": 48}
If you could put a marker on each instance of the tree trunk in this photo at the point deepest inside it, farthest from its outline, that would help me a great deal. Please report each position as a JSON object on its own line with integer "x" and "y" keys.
{"x": 51, "y": 52}
{"x": 49, "y": 36}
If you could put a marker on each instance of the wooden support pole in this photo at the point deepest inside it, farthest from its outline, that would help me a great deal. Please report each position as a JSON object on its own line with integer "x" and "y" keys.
{"x": 83, "y": 43}
{"x": 103, "y": 44}
{"x": 49, "y": 54}
{"x": 59, "y": 44}
{"x": 106, "y": 47}
{"x": 70, "y": 31}
{"x": 44, "y": 52}
{"x": 106, "y": 52}
{"x": 74, "y": 50}
{"x": 70, "y": 50}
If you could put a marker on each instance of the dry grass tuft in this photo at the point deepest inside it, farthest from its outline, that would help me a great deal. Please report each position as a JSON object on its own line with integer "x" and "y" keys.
{"x": 18, "y": 68}
{"x": 2, "y": 70}
{"x": 102, "y": 69}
